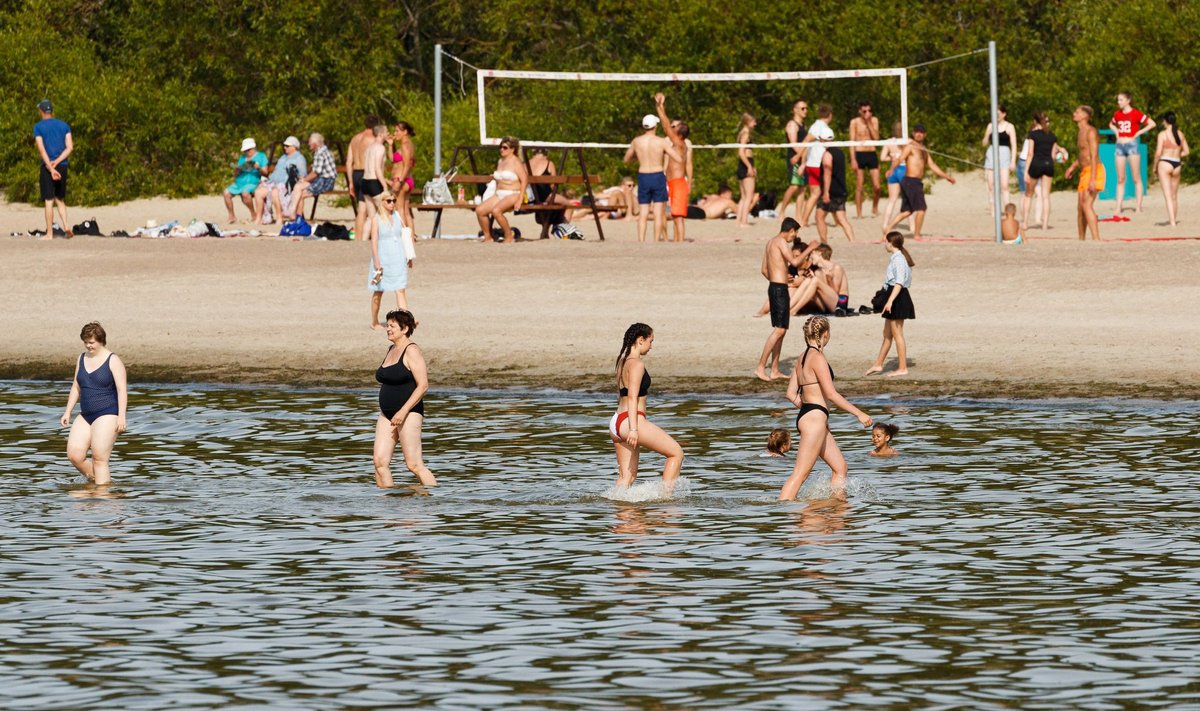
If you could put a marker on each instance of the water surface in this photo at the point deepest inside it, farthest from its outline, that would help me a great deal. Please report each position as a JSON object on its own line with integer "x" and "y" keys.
{"x": 1033, "y": 554}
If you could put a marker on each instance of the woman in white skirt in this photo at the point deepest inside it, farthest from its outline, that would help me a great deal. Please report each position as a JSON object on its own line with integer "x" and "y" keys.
{"x": 392, "y": 255}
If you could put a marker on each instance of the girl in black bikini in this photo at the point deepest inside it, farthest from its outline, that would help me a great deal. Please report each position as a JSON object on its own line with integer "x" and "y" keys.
{"x": 810, "y": 388}
{"x": 403, "y": 382}
{"x": 629, "y": 426}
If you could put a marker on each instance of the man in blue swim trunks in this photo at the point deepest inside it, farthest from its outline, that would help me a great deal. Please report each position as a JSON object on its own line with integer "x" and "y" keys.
{"x": 650, "y": 149}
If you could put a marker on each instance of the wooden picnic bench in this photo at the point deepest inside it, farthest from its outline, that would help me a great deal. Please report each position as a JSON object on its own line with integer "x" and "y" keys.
{"x": 480, "y": 180}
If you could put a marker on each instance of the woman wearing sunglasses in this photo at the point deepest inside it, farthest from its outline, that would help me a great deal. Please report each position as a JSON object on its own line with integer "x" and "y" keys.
{"x": 392, "y": 254}
{"x": 511, "y": 179}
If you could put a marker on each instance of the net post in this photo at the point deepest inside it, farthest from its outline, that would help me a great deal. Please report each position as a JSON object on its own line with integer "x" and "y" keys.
{"x": 437, "y": 109}
{"x": 996, "y": 192}
{"x": 904, "y": 103}
{"x": 482, "y": 114}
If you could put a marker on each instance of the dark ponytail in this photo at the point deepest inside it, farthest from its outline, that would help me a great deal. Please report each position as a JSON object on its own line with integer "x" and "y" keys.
{"x": 1169, "y": 118}
{"x": 634, "y": 332}
{"x": 897, "y": 240}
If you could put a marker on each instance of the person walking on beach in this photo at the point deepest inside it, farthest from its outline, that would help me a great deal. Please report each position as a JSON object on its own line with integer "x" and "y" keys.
{"x": 795, "y": 132}
{"x": 998, "y": 169}
{"x": 898, "y": 306}
{"x": 55, "y": 144}
{"x": 400, "y": 145}
{"x": 403, "y": 381}
{"x": 811, "y": 388}
{"x": 1091, "y": 172}
{"x": 100, "y": 388}
{"x": 629, "y": 427}
{"x": 834, "y": 193}
{"x": 865, "y": 127}
{"x": 818, "y": 133}
{"x": 392, "y": 255}
{"x": 512, "y": 179}
{"x": 679, "y": 173}
{"x": 1040, "y": 168}
{"x": 915, "y": 157}
{"x": 650, "y": 149}
{"x": 1129, "y": 124}
{"x": 895, "y": 174}
{"x": 746, "y": 173}
{"x": 356, "y": 153}
{"x": 1169, "y": 152}
{"x": 776, "y": 258}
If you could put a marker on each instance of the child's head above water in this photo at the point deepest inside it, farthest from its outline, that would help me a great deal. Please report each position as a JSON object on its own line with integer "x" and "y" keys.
{"x": 882, "y": 434}
{"x": 779, "y": 442}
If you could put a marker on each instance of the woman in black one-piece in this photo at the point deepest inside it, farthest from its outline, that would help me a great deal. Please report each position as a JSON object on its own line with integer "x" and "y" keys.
{"x": 403, "y": 382}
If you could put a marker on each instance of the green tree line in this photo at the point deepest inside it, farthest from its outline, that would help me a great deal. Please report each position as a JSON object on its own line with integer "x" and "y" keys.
{"x": 159, "y": 93}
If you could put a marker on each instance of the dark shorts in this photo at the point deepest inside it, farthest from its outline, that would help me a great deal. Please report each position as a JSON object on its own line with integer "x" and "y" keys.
{"x": 742, "y": 171}
{"x": 912, "y": 195}
{"x": 53, "y": 189}
{"x": 781, "y": 303}
{"x": 356, "y": 179}
{"x": 652, "y": 187}
{"x": 320, "y": 185}
{"x": 835, "y": 204}
{"x": 371, "y": 188}
{"x": 696, "y": 212}
{"x": 867, "y": 160}
{"x": 1041, "y": 168}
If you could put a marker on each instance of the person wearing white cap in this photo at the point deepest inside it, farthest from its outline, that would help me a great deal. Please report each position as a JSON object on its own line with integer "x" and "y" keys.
{"x": 290, "y": 167}
{"x": 650, "y": 150}
{"x": 247, "y": 174}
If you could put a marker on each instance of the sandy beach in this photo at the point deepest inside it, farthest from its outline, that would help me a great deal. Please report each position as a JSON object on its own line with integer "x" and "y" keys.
{"x": 1054, "y": 317}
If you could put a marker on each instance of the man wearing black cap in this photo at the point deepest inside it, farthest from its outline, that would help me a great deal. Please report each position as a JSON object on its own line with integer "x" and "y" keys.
{"x": 54, "y": 144}
{"x": 912, "y": 188}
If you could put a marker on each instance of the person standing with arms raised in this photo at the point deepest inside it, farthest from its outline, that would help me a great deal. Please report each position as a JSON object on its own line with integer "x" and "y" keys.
{"x": 650, "y": 149}
{"x": 55, "y": 145}
{"x": 1129, "y": 124}
{"x": 679, "y": 173}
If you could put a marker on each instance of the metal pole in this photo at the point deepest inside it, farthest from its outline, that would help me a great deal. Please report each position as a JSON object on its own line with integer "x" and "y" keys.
{"x": 437, "y": 109}
{"x": 996, "y": 140}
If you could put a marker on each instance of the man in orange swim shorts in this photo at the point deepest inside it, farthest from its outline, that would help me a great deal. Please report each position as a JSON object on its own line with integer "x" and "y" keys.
{"x": 679, "y": 172}
{"x": 1091, "y": 172}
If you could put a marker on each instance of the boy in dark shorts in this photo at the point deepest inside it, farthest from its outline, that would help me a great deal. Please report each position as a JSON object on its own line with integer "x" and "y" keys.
{"x": 833, "y": 194}
{"x": 776, "y": 259}
{"x": 915, "y": 156}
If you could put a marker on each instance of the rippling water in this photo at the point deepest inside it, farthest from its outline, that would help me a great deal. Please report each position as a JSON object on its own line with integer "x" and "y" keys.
{"x": 1026, "y": 554}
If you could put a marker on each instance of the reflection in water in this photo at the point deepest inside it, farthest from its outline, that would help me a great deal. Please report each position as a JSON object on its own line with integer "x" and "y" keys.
{"x": 995, "y": 564}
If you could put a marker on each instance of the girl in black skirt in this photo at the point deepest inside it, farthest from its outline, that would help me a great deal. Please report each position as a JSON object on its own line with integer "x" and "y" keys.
{"x": 898, "y": 308}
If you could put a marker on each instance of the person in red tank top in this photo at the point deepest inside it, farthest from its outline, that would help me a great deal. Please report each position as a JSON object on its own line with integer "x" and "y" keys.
{"x": 1129, "y": 124}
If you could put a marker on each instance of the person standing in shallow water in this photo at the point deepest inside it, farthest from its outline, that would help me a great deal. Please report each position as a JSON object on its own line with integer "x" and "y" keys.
{"x": 99, "y": 386}
{"x": 403, "y": 382}
{"x": 629, "y": 427}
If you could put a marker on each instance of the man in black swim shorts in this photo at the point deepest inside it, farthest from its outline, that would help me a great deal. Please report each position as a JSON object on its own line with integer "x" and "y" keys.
{"x": 775, "y": 263}
{"x": 833, "y": 193}
{"x": 864, "y": 159}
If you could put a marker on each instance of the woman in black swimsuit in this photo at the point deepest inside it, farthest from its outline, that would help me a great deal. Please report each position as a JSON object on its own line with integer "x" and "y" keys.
{"x": 810, "y": 388}
{"x": 629, "y": 427}
{"x": 403, "y": 382}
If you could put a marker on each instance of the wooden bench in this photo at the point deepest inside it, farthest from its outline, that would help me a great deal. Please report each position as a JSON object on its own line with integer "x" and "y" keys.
{"x": 479, "y": 180}
{"x": 335, "y": 148}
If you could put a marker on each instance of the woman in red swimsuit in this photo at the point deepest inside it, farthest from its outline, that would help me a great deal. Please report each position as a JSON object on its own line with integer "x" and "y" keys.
{"x": 629, "y": 427}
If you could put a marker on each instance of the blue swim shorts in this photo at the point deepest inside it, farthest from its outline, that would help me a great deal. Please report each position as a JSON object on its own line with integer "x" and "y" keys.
{"x": 652, "y": 187}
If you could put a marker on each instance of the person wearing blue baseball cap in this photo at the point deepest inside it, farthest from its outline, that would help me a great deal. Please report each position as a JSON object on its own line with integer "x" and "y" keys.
{"x": 54, "y": 144}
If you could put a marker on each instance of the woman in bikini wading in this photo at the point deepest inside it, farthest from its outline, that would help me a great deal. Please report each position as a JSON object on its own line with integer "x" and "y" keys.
{"x": 629, "y": 427}
{"x": 811, "y": 389}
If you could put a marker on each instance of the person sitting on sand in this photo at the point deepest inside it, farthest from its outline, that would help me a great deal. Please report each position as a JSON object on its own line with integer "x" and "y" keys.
{"x": 1010, "y": 226}
{"x": 779, "y": 442}
{"x": 835, "y": 276}
{"x": 882, "y": 434}
{"x": 714, "y": 207}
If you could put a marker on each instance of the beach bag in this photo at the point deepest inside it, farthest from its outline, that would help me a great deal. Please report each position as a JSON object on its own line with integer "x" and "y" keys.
{"x": 566, "y": 230}
{"x": 87, "y": 227}
{"x": 298, "y": 227}
{"x": 332, "y": 231}
{"x": 437, "y": 190}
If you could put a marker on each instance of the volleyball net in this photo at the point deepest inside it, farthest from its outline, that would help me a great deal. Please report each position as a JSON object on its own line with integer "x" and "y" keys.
{"x": 794, "y": 85}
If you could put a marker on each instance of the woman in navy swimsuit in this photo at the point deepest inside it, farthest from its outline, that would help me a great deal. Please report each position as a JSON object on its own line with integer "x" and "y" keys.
{"x": 403, "y": 382}
{"x": 99, "y": 387}
{"x": 811, "y": 389}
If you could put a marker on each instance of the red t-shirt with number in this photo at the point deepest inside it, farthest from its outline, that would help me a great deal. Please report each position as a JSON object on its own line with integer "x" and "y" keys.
{"x": 1128, "y": 124}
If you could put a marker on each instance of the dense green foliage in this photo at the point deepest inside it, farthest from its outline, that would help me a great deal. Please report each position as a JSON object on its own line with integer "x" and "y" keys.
{"x": 160, "y": 92}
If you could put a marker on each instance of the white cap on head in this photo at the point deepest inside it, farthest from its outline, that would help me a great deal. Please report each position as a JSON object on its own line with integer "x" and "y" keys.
{"x": 649, "y": 121}
{"x": 292, "y": 141}
{"x": 247, "y": 144}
